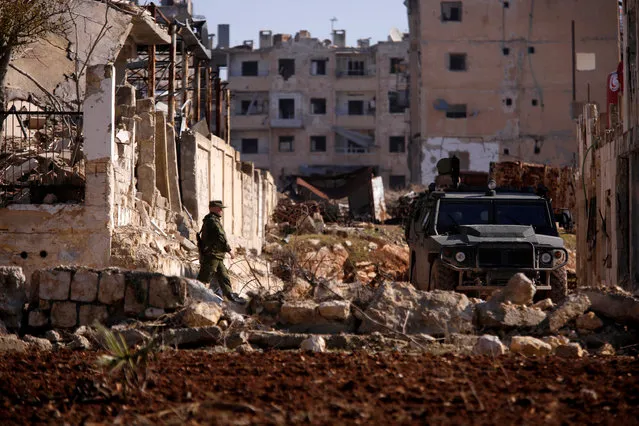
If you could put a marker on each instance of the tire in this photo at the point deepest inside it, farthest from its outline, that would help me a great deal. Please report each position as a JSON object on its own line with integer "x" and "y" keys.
{"x": 442, "y": 277}
{"x": 558, "y": 287}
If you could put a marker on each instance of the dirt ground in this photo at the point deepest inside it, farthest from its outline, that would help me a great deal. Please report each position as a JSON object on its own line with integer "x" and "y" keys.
{"x": 277, "y": 387}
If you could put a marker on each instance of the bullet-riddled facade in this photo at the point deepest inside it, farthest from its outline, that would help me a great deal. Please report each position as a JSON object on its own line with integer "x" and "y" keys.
{"x": 301, "y": 106}
{"x": 497, "y": 80}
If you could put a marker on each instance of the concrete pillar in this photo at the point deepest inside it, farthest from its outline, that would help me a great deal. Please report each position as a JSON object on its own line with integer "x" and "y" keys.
{"x": 146, "y": 144}
{"x": 99, "y": 113}
{"x": 173, "y": 170}
{"x": 161, "y": 164}
{"x": 188, "y": 164}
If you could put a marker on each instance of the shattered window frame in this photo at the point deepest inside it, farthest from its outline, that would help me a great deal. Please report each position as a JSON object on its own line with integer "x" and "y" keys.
{"x": 286, "y": 113}
{"x": 457, "y": 111}
{"x": 356, "y": 67}
{"x": 286, "y": 144}
{"x": 452, "y": 11}
{"x": 315, "y": 69}
{"x": 397, "y": 144}
{"x": 395, "y": 65}
{"x": 318, "y": 106}
{"x": 286, "y": 67}
{"x": 250, "y": 146}
{"x": 318, "y": 143}
{"x": 252, "y": 73}
{"x": 457, "y": 62}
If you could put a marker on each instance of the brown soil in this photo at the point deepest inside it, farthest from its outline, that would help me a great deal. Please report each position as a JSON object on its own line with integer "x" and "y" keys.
{"x": 196, "y": 387}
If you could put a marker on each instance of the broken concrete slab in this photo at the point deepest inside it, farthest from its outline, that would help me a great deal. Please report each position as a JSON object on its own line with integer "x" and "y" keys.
{"x": 13, "y": 296}
{"x": 622, "y": 308}
{"x": 201, "y": 314}
{"x": 504, "y": 316}
{"x": 555, "y": 341}
{"x": 402, "y": 308}
{"x": 544, "y": 305}
{"x": 338, "y": 310}
{"x": 196, "y": 290}
{"x": 529, "y": 346}
{"x": 589, "y": 322}
{"x": 299, "y": 312}
{"x": 572, "y": 307}
{"x": 192, "y": 337}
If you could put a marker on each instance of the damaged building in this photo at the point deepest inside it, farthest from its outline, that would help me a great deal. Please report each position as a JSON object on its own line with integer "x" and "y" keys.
{"x": 608, "y": 141}
{"x": 301, "y": 106}
{"x": 503, "y": 80}
{"x": 106, "y": 158}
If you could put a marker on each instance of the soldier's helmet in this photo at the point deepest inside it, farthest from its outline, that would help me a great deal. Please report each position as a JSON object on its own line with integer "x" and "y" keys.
{"x": 217, "y": 203}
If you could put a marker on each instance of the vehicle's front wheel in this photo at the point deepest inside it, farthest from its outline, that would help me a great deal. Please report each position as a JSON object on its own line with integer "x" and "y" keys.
{"x": 442, "y": 277}
{"x": 558, "y": 287}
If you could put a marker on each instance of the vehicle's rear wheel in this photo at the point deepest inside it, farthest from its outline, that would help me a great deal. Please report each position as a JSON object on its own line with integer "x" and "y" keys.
{"x": 443, "y": 277}
{"x": 558, "y": 287}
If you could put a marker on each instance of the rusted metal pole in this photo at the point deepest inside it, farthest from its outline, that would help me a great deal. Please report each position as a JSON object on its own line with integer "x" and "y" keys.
{"x": 172, "y": 55}
{"x": 198, "y": 89}
{"x": 209, "y": 97}
{"x": 151, "y": 70}
{"x": 185, "y": 80}
{"x": 218, "y": 106}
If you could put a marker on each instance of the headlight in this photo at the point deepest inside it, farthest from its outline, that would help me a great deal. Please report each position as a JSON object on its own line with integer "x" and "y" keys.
{"x": 545, "y": 258}
{"x": 460, "y": 256}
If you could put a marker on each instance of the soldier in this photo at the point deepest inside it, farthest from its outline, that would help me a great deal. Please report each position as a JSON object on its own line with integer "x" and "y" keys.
{"x": 213, "y": 247}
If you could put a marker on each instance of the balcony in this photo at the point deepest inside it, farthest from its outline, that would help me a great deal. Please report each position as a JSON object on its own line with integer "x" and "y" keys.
{"x": 258, "y": 83}
{"x": 287, "y": 123}
{"x": 356, "y": 121}
{"x": 249, "y": 122}
{"x": 355, "y": 83}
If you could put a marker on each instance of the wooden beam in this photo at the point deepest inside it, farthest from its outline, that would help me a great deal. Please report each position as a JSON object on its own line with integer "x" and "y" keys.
{"x": 151, "y": 72}
{"x": 172, "y": 55}
{"x": 198, "y": 89}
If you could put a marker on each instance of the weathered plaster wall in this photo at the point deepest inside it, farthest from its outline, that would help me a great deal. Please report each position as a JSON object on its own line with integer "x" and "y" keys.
{"x": 519, "y": 97}
{"x": 481, "y": 154}
{"x": 211, "y": 169}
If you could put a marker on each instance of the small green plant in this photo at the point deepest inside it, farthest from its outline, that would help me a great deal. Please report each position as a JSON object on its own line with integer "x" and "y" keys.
{"x": 130, "y": 366}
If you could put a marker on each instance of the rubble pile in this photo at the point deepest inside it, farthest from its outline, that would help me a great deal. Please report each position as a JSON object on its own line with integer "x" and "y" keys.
{"x": 322, "y": 316}
{"x": 41, "y": 161}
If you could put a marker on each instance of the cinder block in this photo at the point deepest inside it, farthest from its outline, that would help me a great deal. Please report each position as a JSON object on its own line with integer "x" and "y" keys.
{"x": 84, "y": 286}
{"x": 111, "y": 289}
{"x": 64, "y": 314}
{"x": 37, "y": 318}
{"x": 166, "y": 294}
{"x": 89, "y": 314}
{"x": 54, "y": 285}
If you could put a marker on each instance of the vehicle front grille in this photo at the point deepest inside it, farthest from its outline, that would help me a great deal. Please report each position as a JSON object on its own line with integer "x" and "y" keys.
{"x": 505, "y": 256}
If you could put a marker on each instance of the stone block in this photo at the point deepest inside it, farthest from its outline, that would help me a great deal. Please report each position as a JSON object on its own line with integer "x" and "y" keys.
{"x": 529, "y": 346}
{"x": 42, "y": 345}
{"x": 146, "y": 105}
{"x": 54, "y": 285}
{"x": 338, "y": 310}
{"x": 571, "y": 350}
{"x": 64, "y": 314}
{"x": 90, "y": 314}
{"x": 489, "y": 345}
{"x": 136, "y": 296}
{"x": 574, "y": 306}
{"x": 84, "y": 286}
{"x": 298, "y": 312}
{"x": 37, "y": 318}
{"x": 201, "y": 314}
{"x": 589, "y": 322}
{"x": 125, "y": 95}
{"x": 201, "y": 336}
{"x": 111, "y": 289}
{"x": 314, "y": 344}
{"x": 13, "y": 295}
{"x": 166, "y": 293}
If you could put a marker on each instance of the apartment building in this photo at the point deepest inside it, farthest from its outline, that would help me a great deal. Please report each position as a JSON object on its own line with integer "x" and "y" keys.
{"x": 302, "y": 106}
{"x": 504, "y": 80}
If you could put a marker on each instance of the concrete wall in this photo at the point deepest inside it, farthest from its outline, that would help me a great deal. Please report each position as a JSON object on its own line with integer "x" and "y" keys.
{"x": 212, "y": 170}
{"x": 518, "y": 99}
{"x": 337, "y": 90}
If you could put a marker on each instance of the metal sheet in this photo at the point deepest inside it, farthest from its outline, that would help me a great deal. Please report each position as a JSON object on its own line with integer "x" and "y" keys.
{"x": 379, "y": 205}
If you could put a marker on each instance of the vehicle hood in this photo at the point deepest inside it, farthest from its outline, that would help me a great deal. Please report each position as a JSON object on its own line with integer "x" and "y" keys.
{"x": 476, "y": 234}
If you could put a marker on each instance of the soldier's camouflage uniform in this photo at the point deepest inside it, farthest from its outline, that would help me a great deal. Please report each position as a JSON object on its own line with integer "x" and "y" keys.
{"x": 214, "y": 247}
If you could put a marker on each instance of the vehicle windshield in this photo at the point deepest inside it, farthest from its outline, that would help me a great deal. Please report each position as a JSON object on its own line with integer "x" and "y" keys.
{"x": 453, "y": 213}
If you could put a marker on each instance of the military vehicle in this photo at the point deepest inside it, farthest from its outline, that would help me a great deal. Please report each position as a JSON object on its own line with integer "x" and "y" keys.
{"x": 470, "y": 240}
